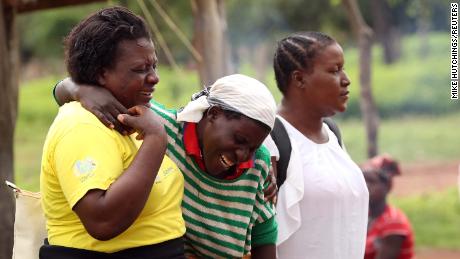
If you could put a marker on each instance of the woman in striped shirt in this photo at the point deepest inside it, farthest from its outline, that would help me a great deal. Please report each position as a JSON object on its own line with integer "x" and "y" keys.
{"x": 216, "y": 142}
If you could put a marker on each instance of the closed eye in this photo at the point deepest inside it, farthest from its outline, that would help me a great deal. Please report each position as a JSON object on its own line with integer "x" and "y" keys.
{"x": 145, "y": 66}
{"x": 145, "y": 69}
{"x": 139, "y": 69}
{"x": 240, "y": 140}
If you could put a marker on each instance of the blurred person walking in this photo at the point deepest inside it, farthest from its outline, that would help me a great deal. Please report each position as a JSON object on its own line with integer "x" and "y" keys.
{"x": 389, "y": 233}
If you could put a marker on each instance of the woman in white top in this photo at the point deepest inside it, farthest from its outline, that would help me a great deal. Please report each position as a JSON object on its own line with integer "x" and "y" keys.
{"x": 323, "y": 203}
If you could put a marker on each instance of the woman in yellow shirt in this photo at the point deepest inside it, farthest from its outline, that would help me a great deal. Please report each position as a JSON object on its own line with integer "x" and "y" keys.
{"x": 102, "y": 196}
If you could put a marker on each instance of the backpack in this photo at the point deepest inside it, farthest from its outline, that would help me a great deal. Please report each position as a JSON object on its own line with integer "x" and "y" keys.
{"x": 283, "y": 143}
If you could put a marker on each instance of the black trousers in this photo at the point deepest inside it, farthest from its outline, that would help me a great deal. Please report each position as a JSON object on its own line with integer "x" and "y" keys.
{"x": 171, "y": 249}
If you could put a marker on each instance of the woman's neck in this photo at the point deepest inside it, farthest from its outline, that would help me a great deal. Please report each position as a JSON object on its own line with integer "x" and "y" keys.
{"x": 304, "y": 120}
{"x": 375, "y": 210}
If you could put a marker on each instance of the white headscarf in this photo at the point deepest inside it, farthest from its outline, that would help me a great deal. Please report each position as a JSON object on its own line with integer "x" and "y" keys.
{"x": 237, "y": 93}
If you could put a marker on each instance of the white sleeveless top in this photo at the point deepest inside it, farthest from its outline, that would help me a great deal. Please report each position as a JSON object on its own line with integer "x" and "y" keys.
{"x": 322, "y": 206}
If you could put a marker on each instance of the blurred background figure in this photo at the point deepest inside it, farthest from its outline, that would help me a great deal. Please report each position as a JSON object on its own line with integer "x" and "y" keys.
{"x": 389, "y": 233}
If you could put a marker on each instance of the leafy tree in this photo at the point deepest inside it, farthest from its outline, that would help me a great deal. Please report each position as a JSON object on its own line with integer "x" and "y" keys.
{"x": 41, "y": 33}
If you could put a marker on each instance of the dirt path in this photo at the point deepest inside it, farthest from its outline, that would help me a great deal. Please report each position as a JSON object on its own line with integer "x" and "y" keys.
{"x": 426, "y": 177}
{"x": 437, "y": 254}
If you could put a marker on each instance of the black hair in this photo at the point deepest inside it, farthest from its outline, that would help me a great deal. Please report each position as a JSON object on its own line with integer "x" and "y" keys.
{"x": 295, "y": 52}
{"x": 383, "y": 176}
{"x": 92, "y": 44}
{"x": 386, "y": 172}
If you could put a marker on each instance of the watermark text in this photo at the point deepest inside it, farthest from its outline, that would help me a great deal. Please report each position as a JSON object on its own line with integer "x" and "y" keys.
{"x": 454, "y": 51}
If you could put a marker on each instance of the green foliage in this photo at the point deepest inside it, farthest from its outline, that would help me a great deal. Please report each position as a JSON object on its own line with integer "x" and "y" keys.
{"x": 42, "y": 32}
{"x": 313, "y": 15}
{"x": 36, "y": 112}
{"x": 408, "y": 138}
{"x": 434, "y": 218}
{"x": 262, "y": 21}
{"x": 176, "y": 87}
{"x": 417, "y": 84}
{"x": 180, "y": 13}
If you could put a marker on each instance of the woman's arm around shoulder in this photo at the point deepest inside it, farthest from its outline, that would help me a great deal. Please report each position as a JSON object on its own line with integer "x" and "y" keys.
{"x": 98, "y": 100}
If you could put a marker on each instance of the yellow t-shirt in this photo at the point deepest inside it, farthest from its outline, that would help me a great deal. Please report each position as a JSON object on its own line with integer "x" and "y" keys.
{"x": 81, "y": 154}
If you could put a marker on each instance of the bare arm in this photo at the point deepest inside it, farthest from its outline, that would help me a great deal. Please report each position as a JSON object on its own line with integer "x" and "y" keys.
{"x": 271, "y": 191}
{"x": 65, "y": 91}
{"x": 106, "y": 214}
{"x": 263, "y": 252}
{"x": 98, "y": 100}
{"x": 391, "y": 247}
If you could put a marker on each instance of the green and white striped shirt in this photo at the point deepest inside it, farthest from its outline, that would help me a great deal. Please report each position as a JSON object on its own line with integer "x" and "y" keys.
{"x": 223, "y": 217}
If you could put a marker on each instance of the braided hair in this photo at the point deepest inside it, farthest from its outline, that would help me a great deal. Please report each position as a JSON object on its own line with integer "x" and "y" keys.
{"x": 295, "y": 52}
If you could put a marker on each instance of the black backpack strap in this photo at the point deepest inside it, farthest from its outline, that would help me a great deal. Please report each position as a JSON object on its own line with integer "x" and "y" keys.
{"x": 334, "y": 128}
{"x": 283, "y": 143}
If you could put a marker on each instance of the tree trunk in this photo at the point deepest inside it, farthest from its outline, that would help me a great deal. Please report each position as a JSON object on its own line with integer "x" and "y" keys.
{"x": 423, "y": 27}
{"x": 368, "y": 108}
{"x": 261, "y": 60}
{"x": 210, "y": 39}
{"x": 386, "y": 33}
{"x": 8, "y": 110}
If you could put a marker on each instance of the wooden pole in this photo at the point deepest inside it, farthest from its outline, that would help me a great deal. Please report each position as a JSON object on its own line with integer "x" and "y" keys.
{"x": 368, "y": 108}
{"x": 8, "y": 111}
{"x": 176, "y": 30}
{"x": 210, "y": 40}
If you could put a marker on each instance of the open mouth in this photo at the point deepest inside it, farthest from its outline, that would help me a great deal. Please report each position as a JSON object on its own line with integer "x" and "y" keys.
{"x": 227, "y": 163}
{"x": 147, "y": 93}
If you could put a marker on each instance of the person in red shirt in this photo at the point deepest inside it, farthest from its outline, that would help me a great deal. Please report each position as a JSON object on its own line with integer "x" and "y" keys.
{"x": 389, "y": 233}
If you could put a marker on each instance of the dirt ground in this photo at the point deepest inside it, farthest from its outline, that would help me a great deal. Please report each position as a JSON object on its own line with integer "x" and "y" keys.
{"x": 437, "y": 254}
{"x": 426, "y": 177}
